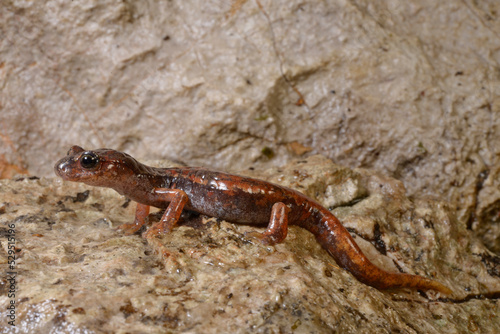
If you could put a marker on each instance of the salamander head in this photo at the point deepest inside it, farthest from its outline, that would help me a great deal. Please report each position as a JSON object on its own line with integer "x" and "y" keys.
{"x": 102, "y": 167}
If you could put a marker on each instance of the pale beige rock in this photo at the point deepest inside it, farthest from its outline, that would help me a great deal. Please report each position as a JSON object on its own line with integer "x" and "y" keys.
{"x": 77, "y": 274}
{"x": 408, "y": 88}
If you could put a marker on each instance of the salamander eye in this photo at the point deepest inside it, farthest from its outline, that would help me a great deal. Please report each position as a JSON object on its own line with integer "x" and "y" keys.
{"x": 89, "y": 160}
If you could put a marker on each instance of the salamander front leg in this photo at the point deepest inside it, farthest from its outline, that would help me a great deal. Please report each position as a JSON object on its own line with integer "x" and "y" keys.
{"x": 178, "y": 199}
{"x": 278, "y": 226}
{"x": 141, "y": 215}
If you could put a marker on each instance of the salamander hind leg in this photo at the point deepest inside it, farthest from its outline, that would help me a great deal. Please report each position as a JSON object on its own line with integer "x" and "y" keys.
{"x": 178, "y": 199}
{"x": 141, "y": 215}
{"x": 278, "y": 226}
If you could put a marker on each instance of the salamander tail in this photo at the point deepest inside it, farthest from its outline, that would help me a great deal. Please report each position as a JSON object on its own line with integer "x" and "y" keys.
{"x": 341, "y": 246}
{"x": 398, "y": 280}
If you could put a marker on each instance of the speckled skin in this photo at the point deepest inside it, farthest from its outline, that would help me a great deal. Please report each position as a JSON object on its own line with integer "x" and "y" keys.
{"x": 230, "y": 197}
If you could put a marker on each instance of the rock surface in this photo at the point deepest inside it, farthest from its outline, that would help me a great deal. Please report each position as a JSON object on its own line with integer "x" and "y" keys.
{"x": 77, "y": 274}
{"x": 410, "y": 89}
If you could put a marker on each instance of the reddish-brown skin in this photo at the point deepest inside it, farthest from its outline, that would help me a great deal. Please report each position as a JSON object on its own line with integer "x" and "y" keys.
{"x": 230, "y": 197}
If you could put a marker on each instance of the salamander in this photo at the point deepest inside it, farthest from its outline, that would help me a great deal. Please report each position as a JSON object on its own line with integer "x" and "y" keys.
{"x": 230, "y": 197}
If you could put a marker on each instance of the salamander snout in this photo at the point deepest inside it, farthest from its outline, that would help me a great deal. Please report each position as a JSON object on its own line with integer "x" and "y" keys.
{"x": 67, "y": 168}
{"x": 61, "y": 168}
{"x": 102, "y": 167}
{"x": 77, "y": 164}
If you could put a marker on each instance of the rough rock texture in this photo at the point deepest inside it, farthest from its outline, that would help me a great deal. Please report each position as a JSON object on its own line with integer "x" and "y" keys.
{"x": 408, "y": 88}
{"x": 77, "y": 274}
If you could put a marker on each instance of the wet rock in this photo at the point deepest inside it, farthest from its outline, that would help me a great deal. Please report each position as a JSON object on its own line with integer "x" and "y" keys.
{"x": 76, "y": 272}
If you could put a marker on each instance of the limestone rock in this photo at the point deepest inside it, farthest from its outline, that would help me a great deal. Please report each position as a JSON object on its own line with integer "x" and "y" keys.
{"x": 77, "y": 274}
{"x": 407, "y": 88}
